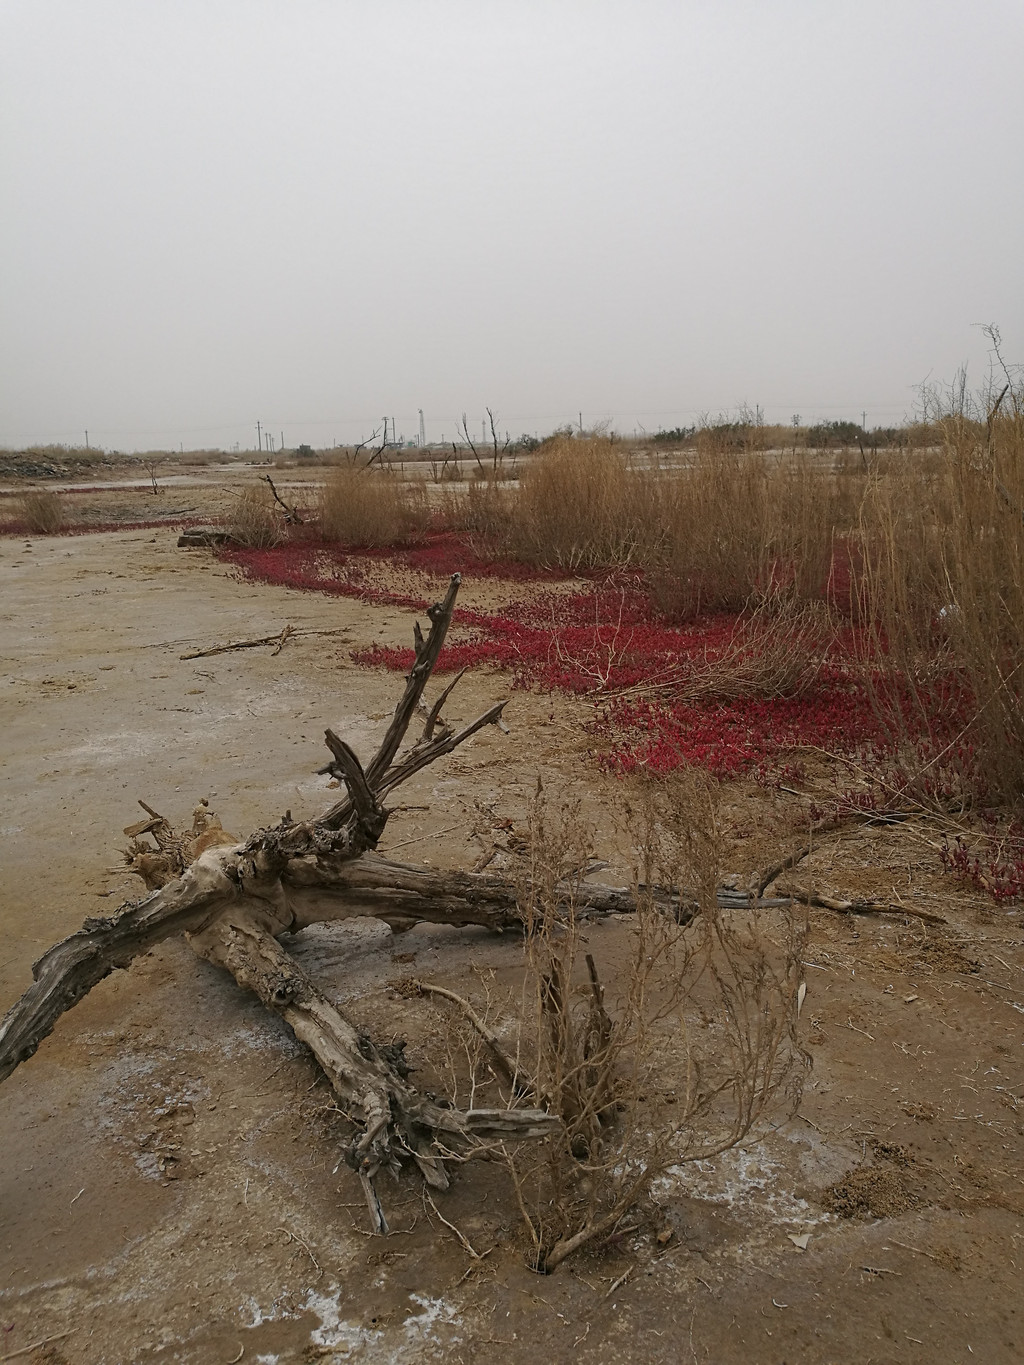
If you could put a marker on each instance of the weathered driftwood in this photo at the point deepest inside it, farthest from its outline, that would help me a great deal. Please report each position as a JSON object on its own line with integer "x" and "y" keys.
{"x": 234, "y": 900}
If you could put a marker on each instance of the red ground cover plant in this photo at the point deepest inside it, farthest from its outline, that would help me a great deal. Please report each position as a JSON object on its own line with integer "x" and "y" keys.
{"x": 994, "y": 863}
{"x": 603, "y": 638}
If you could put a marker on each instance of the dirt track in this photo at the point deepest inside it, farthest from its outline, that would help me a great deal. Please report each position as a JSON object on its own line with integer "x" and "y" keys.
{"x": 167, "y": 1189}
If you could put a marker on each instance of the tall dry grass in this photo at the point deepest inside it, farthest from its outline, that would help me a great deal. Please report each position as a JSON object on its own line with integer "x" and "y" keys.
{"x": 42, "y": 511}
{"x": 371, "y": 508}
{"x": 942, "y": 589}
{"x": 746, "y": 529}
{"x": 255, "y": 520}
{"x": 715, "y": 534}
{"x": 580, "y": 505}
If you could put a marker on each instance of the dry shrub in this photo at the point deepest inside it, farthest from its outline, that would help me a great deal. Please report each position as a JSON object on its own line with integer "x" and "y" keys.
{"x": 713, "y": 556}
{"x": 942, "y": 585}
{"x": 368, "y": 507}
{"x": 67, "y": 453}
{"x": 738, "y": 526}
{"x": 42, "y": 511}
{"x": 681, "y": 1056}
{"x": 581, "y": 506}
{"x": 256, "y": 520}
{"x": 726, "y": 528}
{"x": 485, "y": 512}
{"x": 777, "y": 651}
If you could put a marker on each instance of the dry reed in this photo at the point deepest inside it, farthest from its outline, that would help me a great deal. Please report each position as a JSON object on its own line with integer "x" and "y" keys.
{"x": 42, "y": 511}
{"x": 368, "y": 507}
{"x": 255, "y": 520}
{"x": 942, "y": 588}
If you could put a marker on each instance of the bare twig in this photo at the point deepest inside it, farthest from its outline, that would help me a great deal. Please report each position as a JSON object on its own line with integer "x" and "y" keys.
{"x": 504, "y": 1063}
{"x": 43, "y": 1341}
{"x": 279, "y": 640}
{"x": 291, "y": 514}
{"x": 846, "y": 907}
{"x": 296, "y": 1238}
{"x": 459, "y": 1234}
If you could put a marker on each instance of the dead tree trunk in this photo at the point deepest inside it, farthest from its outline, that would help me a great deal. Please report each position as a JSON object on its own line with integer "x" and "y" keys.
{"x": 234, "y": 900}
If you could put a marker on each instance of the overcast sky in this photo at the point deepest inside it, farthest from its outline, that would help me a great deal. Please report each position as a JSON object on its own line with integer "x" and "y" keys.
{"x": 312, "y": 213}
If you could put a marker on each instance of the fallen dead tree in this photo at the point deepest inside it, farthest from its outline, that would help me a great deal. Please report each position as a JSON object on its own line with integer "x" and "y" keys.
{"x": 235, "y": 900}
{"x": 580, "y": 1087}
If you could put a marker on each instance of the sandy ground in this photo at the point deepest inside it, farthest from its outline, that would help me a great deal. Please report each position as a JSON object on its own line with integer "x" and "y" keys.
{"x": 167, "y": 1182}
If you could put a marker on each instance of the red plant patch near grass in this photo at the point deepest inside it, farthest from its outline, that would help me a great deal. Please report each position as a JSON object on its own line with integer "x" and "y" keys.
{"x": 319, "y": 566}
{"x": 994, "y": 864}
{"x": 604, "y": 641}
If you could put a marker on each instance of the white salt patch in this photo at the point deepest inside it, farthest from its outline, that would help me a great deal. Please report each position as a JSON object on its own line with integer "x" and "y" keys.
{"x": 435, "y": 1311}
{"x": 748, "y": 1180}
{"x": 334, "y": 1330}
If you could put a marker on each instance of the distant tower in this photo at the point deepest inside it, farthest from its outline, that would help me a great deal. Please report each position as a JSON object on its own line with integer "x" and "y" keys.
{"x": 423, "y": 430}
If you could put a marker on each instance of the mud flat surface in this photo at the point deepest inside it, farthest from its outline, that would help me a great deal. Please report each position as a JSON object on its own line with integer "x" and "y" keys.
{"x": 168, "y": 1188}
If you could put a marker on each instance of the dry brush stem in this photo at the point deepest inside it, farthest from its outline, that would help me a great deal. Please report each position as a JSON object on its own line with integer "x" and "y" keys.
{"x": 711, "y": 1001}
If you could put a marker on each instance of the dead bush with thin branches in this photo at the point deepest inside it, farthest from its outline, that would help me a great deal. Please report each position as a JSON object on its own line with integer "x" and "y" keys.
{"x": 256, "y": 520}
{"x": 42, "y": 511}
{"x": 676, "y": 1060}
{"x": 371, "y": 508}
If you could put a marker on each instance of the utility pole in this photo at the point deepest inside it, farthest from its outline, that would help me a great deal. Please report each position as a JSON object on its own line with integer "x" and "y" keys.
{"x": 864, "y": 420}
{"x": 581, "y": 423}
{"x": 87, "y": 440}
{"x": 423, "y": 433}
{"x": 282, "y": 440}
{"x": 259, "y": 437}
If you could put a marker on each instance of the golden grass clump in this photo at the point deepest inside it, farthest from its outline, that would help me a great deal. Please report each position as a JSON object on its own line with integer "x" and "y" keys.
{"x": 42, "y": 511}
{"x": 256, "y": 520}
{"x": 743, "y": 528}
{"x": 581, "y": 506}
{"x": 371, "y": 508}
{"x": 942, "y": 586}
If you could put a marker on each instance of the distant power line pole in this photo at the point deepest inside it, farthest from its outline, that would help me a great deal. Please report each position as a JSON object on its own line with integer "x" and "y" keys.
{"x": 87, "y": 440}
{"x": 864, "y": 420}
{"x": 423, "y": 431}
{"x": 259, "y": 437}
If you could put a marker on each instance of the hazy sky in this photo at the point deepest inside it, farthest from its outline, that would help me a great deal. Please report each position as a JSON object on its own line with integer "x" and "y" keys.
{"x": 314, "y": 212}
